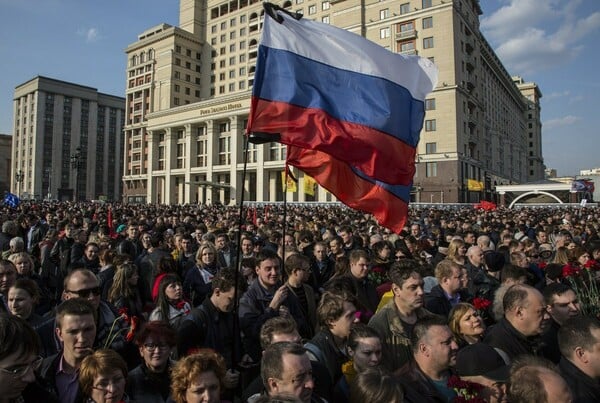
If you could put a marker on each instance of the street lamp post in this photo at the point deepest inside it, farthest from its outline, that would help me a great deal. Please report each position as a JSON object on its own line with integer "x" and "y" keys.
{"x": 49, "y": 173}
{"x": 19, "y": 177}
{"x": 75, "y": 158}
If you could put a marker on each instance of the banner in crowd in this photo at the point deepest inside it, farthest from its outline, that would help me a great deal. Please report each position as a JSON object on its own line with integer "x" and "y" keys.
{"x": 291, "y": 182}
{"x": 583, "y": 185}
{"x": 310, "y": 185}
{"x": 332, "y": 95}
{"x": 475, "y": 185}
{"x": 11, "y": 200}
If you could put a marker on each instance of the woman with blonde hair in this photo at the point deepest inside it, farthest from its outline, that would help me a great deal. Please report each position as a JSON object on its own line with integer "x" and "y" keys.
{"x": 197, "y": 282}
{"x": 466, "y": 324}
{"x": 457, "y": 251}
{"x": 198, "y": 378}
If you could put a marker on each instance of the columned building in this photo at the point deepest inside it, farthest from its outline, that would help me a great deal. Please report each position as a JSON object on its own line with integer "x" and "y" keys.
{"x": 189, "y": 88}
{"x": 67, "y": 141}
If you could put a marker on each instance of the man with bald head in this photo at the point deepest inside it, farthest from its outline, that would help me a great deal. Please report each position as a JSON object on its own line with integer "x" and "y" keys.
{"x": 525, "y": 318}
{"x": 474, "y": 266}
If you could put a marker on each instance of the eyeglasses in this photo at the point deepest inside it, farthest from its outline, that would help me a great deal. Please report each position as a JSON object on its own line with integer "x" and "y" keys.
{"x": 105, "y": 384}
{"x": 20, "y": 370}
{"x": 87, "y": 292}
{"x": 154, "y": 346}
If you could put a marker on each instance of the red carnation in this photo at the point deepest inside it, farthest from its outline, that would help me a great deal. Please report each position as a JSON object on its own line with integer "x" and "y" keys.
{"x": 570, "y": 271}
{"x": 481, "y": 303}
{"x": 132, "y": 328}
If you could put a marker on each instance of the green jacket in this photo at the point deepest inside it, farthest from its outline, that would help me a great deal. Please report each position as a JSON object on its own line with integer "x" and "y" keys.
{"x": 395, "y": 338}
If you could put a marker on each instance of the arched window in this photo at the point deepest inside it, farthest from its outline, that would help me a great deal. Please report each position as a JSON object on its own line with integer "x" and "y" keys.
{"x": 142, "y": 57}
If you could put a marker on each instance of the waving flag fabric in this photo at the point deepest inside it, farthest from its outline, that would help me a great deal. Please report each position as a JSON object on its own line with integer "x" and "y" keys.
{"x": 350, "y": 111}
{"x": 11, "y": 200}
{"x": 324, "y": 88}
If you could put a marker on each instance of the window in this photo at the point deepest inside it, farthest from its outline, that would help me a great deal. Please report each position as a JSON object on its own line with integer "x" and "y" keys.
{"x": 232, "y": 47}
{"x": 242, "y": 19}
{"x": 242, "y": 31}
{"x": 430, "y": 104}
{"x": 427, "y": 22}
{"x": 426, "y": 3}
{"x": 312, "y": 9}
{"x": 222, "y": 38}
{"x": 231, "y": 73}
{"x": 232, "y": 22}
{"x": 431, "y": 169}
{"x": 325, "y": 19}
{"x": 384, "y": 33}
{"x": 242, "y": 85}
{"x": 243, "y": 45}
{"x": 231, "y": 87}
{"x": 242, "y": 58}
{"x": 176, "y": 87}
{"x": 177, "y": 75}
{"x": 232, "y": 60}
{"x": 223, "y": 25}
{"x": 222, "y": 63}
{"x": 176, "y": 101}
{"x": 428, "y": 42}
{"x": 405, "y": 8}
{"x": 407, "y": 46}
{"x": 430, "y": 148}
{"x": 299, "y": 1}
{"x": 213, "y": 41}
{"x": 242, "y": 71}
{"x": 232, "y": 35}
{"x": 385, "y": 13}
{"x": 177, "y": 49}
{"x": 213, "y": 29}
{"x": 325, "y": 5}
{"x": 430, "y": 125}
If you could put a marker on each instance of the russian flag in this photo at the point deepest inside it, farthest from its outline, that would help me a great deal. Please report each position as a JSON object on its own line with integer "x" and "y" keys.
{"x": 323, "y": 88}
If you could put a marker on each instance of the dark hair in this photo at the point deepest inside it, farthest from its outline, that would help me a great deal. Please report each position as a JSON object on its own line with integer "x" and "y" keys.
{"x": 358, "y": 254}
{"x": 296, "y": 261}
{"x": 29, "y": 286}
{"x": 162, "y": 301}
{"x": 16, "y": 335}
{"x": 267, "y": 254}
{"x": 271, "y": 365}
{"x": 224, "y": 280}
{"x": 577, "y": 332}
{"x": 554, "y": 289}
{"x": 74, "y": 307}
{"x": 402, "y": 270}
{"x": 158, "y": 330}
{"x": 360, "y": 331}
{"x": 278, "y": 324}
{"x": 374, "y": 386}
{"x": 421, "y": 328}
{"x": 331, "y": 308}
{"x": 510, "y": 271}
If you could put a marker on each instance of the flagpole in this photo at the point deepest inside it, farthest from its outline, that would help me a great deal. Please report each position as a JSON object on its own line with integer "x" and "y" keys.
{"x": 285, "y": 186}
{"x": 238, "y": 269}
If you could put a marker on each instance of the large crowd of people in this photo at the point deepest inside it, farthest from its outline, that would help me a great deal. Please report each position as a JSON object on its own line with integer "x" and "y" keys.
{"x": 115, "y": 303}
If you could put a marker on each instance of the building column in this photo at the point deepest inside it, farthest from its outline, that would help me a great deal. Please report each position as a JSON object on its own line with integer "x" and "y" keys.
{"x": 210, "y": 154}
{"x": 235, "y": 192}
{"x": 152, "y": 158}
{"x": 187, "y": 186}
{"x": 502, "y": 199}
{"x": 169, "y": 156}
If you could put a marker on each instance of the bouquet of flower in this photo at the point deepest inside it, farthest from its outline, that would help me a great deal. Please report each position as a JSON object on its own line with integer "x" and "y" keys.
{"x": 377, "y": 276}
{"x": 132, "y": 323}
{"x": 584, "y": 282}
{"x": 466, "y": 392}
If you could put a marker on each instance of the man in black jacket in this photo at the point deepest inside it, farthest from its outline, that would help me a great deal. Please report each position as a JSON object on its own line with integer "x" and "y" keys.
{"x": 76, "y": 329}
{"x": 579, "y": 343}
{"x": 525, "y": 319}
{"x": 446, "y": 294}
